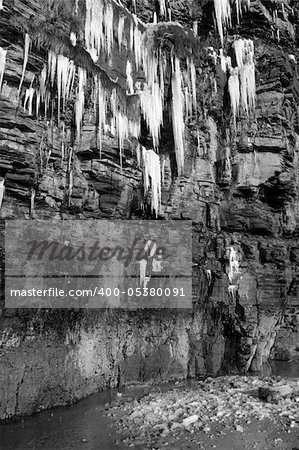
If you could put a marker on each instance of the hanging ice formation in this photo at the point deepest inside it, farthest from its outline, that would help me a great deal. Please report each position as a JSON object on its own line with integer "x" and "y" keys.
{"x": 163, "y": 9}
{"x": 98, "y": 28}
{"x": 80, "y": 98}
{"x": 61, "y": 77}
{"x": 155, "y": 66}
{"x": 130, "y": 83}
{"x": 223, "y": 13}
{"x": 152, "y": 95}
{"x": 139, "y": 40}
{"x": 120, "y": 31}
{"x": 178, "y": 113}
{"x": 2, "y": 64}
{"x": 73, "y": 39}
{"x": 29, "y": 99}
{"x": 2, "y": 189}
{"x": 26, "y": 54}
{"x": 234, "y": 91}
{"x": 100, "y": 102}
{"x": 242, "y": 78}
{"x": 225, "y": 61}
{"x": 244, "y": 50}
{"x": 150, "y": 163}
{"x": 1, "y": 5}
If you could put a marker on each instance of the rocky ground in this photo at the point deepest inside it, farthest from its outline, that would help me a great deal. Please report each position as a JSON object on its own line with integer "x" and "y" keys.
{"x": 223, "y": 413}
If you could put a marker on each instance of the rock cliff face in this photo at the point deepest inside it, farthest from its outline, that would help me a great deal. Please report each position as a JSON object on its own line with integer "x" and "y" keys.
{"x": 239, "y": 185}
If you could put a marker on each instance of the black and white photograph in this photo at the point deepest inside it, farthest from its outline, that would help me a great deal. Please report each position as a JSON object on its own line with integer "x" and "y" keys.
{"x": 149, "y": 224}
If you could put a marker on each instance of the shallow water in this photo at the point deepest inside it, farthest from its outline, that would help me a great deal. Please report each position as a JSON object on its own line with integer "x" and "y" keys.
{"x": 285, "y": 369}
{"x": 84, "y": 426}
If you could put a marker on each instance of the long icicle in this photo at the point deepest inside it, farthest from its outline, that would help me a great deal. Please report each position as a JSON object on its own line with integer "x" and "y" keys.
{"x": 79, "y": 104}
{"x": 2, "y": 190}
{"x": 150, "y": 163}
{"x": 178, "y": 123}
{"x": 26, "y": 54}
{"x": 2, "y": 64}
{"x": 223, "y": 15}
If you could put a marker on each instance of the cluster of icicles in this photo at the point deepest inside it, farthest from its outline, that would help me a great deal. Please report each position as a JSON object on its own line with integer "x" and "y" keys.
{"x": 60, "y": 74}
{"x": 99, "y": 40}
{"x": 223, "y": 11}
{"x": 106, "y": 31}
{"x": 241, "y": 81}
{"x": 102, "y": 35}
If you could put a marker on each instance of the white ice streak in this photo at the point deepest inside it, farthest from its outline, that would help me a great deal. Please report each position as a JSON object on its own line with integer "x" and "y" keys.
{"x": 178, "y": 121}
{"x": 26, "y": 54}
{"x": 3, "y": 54}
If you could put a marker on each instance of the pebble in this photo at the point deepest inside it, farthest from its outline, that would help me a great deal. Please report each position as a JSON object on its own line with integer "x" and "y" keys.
{"x": 229, "y": 402}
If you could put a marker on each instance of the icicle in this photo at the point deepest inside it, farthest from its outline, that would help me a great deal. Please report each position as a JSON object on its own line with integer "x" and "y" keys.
{"x": 192, "y": 71}
{"x": 71, "y": 178}
{"x": 42, "y": 83}
{"x": 26, "y": 53}
{"x": 79, "y": 104}
{"x": 130, "y": 84}
{"x": 225, "y": 61}
{"x": 137, "y": 46}
{"x": 32, "y": 200}
{"x": 120, "y": 31}
{"x": 108, "y": 26}
{"x": 234, "y": 91}
{"x": 1, "y": 5}
{"x": 131, "y": 36}
{"x": 244, "y": 51}
{"x": 155, "y": 21}
{"x": 178, "y": 113}
{"x": 113, "y": 101}
{"x": 223, "y": 15}
{"x": 65, "y": 75}
{"x": 29, "y": 99}
{"x": 2, "y": 190}
{"x": 62, "y": 74}
{"x": 239, "y": 46}
{"x": 163, "y": 10}
{"x": 52, "y": 64}
{"x": 152, "y": 177}
{"x": 100, "y": 101}
{"x": 73, "y": 39}
{"x": 152, "y": 108}
{"x": 37, "y": 105}
{"x": 94, "y": 36}
{"x": 2, "y": 64}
